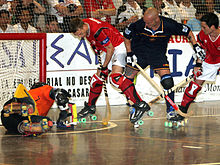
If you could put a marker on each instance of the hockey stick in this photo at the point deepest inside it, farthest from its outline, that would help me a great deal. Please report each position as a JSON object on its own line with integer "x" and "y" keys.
{"x": 107, "y": 117}
{"x": 186, "y": 80}
{"x": 162, "y": 92}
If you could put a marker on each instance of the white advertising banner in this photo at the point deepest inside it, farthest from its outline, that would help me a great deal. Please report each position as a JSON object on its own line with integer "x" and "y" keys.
{"x": 71, "y": 63}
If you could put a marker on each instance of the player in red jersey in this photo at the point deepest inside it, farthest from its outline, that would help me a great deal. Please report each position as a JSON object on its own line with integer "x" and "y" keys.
{"x": 44, "y": 96}
{"x": 107, "y": 38}
{"x": 209, "y": 39}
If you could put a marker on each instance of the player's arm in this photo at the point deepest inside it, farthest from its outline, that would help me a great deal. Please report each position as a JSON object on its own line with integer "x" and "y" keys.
{"x": 104, "y": 40}
{"x": 199, "y": 51}
{"x": 191, "y": 38}
{"x": 127, "y": 44}
{"x": 181, "y": 29}
{"x": 109, "y": 52}
{"x": 131, "y": 58}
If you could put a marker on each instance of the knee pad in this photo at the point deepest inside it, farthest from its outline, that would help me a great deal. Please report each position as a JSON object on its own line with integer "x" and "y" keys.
{"x": 190, "y": 94}
{"x": 116, "y": 79}
{"x": 167, "y": 81}
{"x": 95, "y": 81}
{"x": 193, "y": 89}
{"x": 96, "y": 84}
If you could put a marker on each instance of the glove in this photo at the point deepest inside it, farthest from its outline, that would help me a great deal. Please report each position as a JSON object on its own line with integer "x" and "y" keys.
{"x": 63, "y": 115}
{"x": 197, "y": 70}
{"x": 200, "y": 52}
{"x": 131, "y": 59}
{"x": 104, "y": 72}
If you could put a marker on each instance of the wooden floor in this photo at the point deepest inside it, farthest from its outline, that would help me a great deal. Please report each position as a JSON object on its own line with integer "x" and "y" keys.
{"x": 119, "y": 143}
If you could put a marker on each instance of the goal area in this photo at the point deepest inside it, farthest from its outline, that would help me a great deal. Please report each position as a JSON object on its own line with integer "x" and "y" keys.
{"x": 22, "y": 60}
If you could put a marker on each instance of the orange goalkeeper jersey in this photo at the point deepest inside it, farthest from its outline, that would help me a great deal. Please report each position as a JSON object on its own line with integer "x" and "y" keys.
{"x": 42, "y": 97}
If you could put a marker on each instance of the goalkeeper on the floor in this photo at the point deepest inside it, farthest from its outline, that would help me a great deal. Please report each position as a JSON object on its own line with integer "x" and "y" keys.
{"x": 26, "y": 113}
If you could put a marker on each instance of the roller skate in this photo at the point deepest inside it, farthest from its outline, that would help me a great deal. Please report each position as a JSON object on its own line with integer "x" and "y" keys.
{"x": 87, "y": 111}
{"x": 36, "y": 128}
{"x": 174, "y": 120}
{"x": 183, "y": 121}
{"x": 137, "y": 111}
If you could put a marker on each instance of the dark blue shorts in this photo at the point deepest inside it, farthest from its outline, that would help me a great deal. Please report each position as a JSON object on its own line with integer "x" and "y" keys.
{"x": 156, "y": 62}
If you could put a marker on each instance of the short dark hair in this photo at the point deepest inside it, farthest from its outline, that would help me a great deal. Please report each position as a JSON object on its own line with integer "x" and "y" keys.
{"x": 50, "y": 18}
{"x": 210, "y": 19}
{"x": 3, "y": 11}
{"x": 75, "y": 24}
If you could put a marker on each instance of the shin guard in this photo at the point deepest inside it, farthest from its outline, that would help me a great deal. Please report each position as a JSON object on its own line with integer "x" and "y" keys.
{"x": 126, "y": 86}
{"x": 167, "y": 83}
{"x": 190, "y": 94}
{"x": 95, "y": 89}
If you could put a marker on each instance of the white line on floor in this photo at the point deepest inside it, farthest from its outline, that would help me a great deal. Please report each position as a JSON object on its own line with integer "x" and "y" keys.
{"x": 193, "y": 147}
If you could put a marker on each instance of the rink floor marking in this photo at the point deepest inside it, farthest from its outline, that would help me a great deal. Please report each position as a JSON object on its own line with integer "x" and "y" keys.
{"x": 207, "y": 163}
{"x": 192, "y": 147}
{"x": 110, "y": 125}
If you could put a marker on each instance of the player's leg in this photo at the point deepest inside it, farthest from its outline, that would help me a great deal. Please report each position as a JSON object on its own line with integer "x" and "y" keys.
{"x": 167, "y": 83}
{"x": 189, "y": 95}
{"x": 124, "y": 82}
{"x": 96, "y": 85}
{"x": 209, "y": 73}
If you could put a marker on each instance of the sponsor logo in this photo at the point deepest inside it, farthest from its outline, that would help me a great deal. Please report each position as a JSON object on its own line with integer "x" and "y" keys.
{"x": 105, "y": 41}
{"x": 127, "y": 31}
{"x": 185, "y": 29}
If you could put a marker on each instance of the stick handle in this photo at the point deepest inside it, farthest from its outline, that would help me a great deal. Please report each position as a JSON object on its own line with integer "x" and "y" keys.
{"x": 107, "y": 117}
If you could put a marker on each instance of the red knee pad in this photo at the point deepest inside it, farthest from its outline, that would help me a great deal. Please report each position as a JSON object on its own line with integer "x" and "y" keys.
{"x": 193, "y": 89}
{"x": 190, "y": 93}
{"x": 116, "y": 79}
{"x": 126, "y": 86}
{"x": 95, "y": 81}
{"x": 96, "y": 84}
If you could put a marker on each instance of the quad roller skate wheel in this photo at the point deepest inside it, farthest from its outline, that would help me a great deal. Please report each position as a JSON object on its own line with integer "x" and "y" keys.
{"x": 182, "y": 123}
{"x": 138, "y": 123}
{"x": 82, "y": 120}
{"x": 168, "y": 124}
{"x": 176, "y": 124}
{"x": 150, "y": 113}
{"x": 93, "y": 117}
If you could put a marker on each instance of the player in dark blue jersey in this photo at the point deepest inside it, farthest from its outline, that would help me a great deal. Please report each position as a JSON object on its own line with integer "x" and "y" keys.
{"x": 146, "y": 42}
